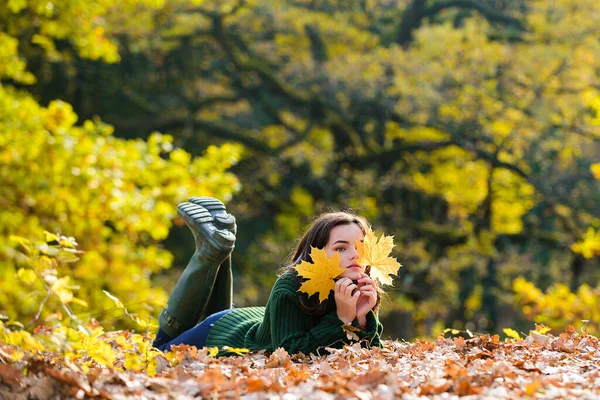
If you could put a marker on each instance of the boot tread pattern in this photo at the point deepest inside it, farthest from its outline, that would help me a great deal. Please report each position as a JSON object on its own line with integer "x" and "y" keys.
{"x": 210, "y": 203}
{"x": 222, "y": 219}
{"x": 196, "y": 214}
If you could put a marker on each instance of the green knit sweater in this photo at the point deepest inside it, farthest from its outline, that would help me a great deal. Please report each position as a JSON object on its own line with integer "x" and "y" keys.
{"x": 282, "y": 323}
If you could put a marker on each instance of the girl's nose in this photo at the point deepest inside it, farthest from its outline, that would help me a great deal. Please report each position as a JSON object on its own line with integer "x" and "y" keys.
{"x": 355, "y": 255}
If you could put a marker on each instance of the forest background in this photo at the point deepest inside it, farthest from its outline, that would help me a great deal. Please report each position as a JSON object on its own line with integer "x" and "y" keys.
{"x": 469, "y": 130}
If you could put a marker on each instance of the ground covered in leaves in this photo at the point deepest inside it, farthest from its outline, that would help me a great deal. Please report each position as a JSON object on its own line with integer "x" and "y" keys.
{"x": 541, "y": 366}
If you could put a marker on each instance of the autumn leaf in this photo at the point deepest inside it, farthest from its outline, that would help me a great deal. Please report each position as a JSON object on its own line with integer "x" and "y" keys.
{"x": 240, "y": 351}
{"x": 376, "y": 253}
{"x": 51, "y": 237}
{"x": 511, "y": 333}
{"x": 453, "y": 331}
{"x": 543, "y": 329}
{"x": 350, "y": 331}
{"x": 118, "y": 302}
{"x": 320, "y": 273}
{"x": 213, "y": 351}
{"x": 595, "y": 168}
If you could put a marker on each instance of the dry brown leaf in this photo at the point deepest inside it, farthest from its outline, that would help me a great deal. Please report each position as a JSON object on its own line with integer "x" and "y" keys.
{"x": 255, "y": 384}
{"x": 428, "y": 389}
{"x": 482, "y": 366}
{"x": 459, "y": 343}
{"x": 279, "y": 358}
{"x": 42, "y": 390}
{"x": 10, "y": 375}
{"x": 463, "y": 387}
{"x": 371, "y": 378}
{"x": 296, "y": 375}
{"x": 532, "y": 387}
{"x": 350, "y": 331}
{"x": 71, "y": 378}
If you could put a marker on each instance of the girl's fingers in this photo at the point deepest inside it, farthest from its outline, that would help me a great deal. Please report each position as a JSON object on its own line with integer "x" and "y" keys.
{"x": 350, "y": 289}
{"x": 368, "y": 281}
{"x": 342, "y": 284}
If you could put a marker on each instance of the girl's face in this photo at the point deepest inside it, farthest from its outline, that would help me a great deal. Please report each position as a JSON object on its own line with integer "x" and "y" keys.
{"x": 342, "y": 239}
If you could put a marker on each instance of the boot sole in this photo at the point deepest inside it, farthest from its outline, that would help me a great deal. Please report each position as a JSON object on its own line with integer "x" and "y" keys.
{"x": 216, "y": 208}
{"x": 196, "y": 217}
{"x": 210, "y": 203}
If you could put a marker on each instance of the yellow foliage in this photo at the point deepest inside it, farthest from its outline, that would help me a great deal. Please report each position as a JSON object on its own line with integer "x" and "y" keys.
{"x": 320, "y": 273}
{"x": 589, "y": 246}
{"x": 118, "y": 197}
{"x": 595, "y": 168}
{"x": 376, "y": 252}
{"x": 559, "y": 307}
{"x": 235, "y": 350}
{"x": 511, "y": 333}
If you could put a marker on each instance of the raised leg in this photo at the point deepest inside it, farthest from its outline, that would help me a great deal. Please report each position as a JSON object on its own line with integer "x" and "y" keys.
{"x": 191, "y": 294}
{"x": 222, "y": 294}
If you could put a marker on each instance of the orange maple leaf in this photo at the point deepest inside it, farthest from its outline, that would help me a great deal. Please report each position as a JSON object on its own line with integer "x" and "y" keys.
{"x": 376, "y": 253}
{"x": 320, "y": 273}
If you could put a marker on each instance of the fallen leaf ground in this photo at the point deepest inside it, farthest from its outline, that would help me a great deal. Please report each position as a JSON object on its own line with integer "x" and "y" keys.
{"x": 540, "y": 366}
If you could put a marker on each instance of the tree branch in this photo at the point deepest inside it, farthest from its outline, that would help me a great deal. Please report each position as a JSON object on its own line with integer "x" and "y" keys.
{"x": 489, "y": 13}
{"x": 393, "y": 153}
{"x": 494, "y": 162}
{"x": 221, "y": 129}
{"x": 214, "y": 14}
{"x": 411, "y": 20}
{"x": 195, "y": 106}
{"x": 416, "y": 11}
{"x": 331, "y": 117}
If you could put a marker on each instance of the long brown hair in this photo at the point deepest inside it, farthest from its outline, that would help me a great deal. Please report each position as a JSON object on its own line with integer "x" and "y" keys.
{"x": 317, "y": 235}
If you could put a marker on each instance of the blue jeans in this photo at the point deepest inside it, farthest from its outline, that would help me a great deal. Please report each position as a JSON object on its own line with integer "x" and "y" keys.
{"x": 195, "y": 336}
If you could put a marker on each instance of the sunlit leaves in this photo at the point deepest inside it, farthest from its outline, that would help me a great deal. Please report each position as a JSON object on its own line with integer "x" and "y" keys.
{"x": 375, "y": 252}
{"x": 117, "y": 197}
{"x": 589, "y": 246}
{"x": 122, "y": 364}
{"x": 320, "y": 273}
{"x": 595, "y": 168}
{"x": 511, "y": 333}
{"x": 12, "y": 66}
{"x": 559, "y": 305}
{"x": 83, "y": 23}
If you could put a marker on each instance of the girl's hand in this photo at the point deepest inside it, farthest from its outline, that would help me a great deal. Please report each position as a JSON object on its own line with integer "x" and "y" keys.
{"x": 345, "y": 301}
{"x": 367, "y": 299}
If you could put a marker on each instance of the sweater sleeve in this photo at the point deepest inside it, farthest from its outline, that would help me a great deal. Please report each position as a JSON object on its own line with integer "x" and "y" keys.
{"x": 371, "y": 335}
{"x": 290, "y": 326}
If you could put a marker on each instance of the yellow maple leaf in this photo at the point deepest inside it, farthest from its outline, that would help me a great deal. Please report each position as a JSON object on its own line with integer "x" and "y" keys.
{"x": 320, "y": 273}
{"x": 240, "y": 351}
{"x": 511, "y": 333}
{"x": 376, "y": 253}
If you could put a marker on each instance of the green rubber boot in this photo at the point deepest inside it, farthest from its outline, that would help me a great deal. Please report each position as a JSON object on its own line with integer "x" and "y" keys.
{"x": 222, "y": 294}
{"x": 192, "y": 292}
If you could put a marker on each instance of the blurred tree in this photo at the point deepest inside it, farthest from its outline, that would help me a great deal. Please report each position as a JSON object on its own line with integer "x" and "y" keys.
{"x": 117, "y": 197}
{"x": 465, "y": 128}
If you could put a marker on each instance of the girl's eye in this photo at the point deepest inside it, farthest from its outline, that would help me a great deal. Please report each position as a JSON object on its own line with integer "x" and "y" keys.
{"x": 340, "y": 249}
